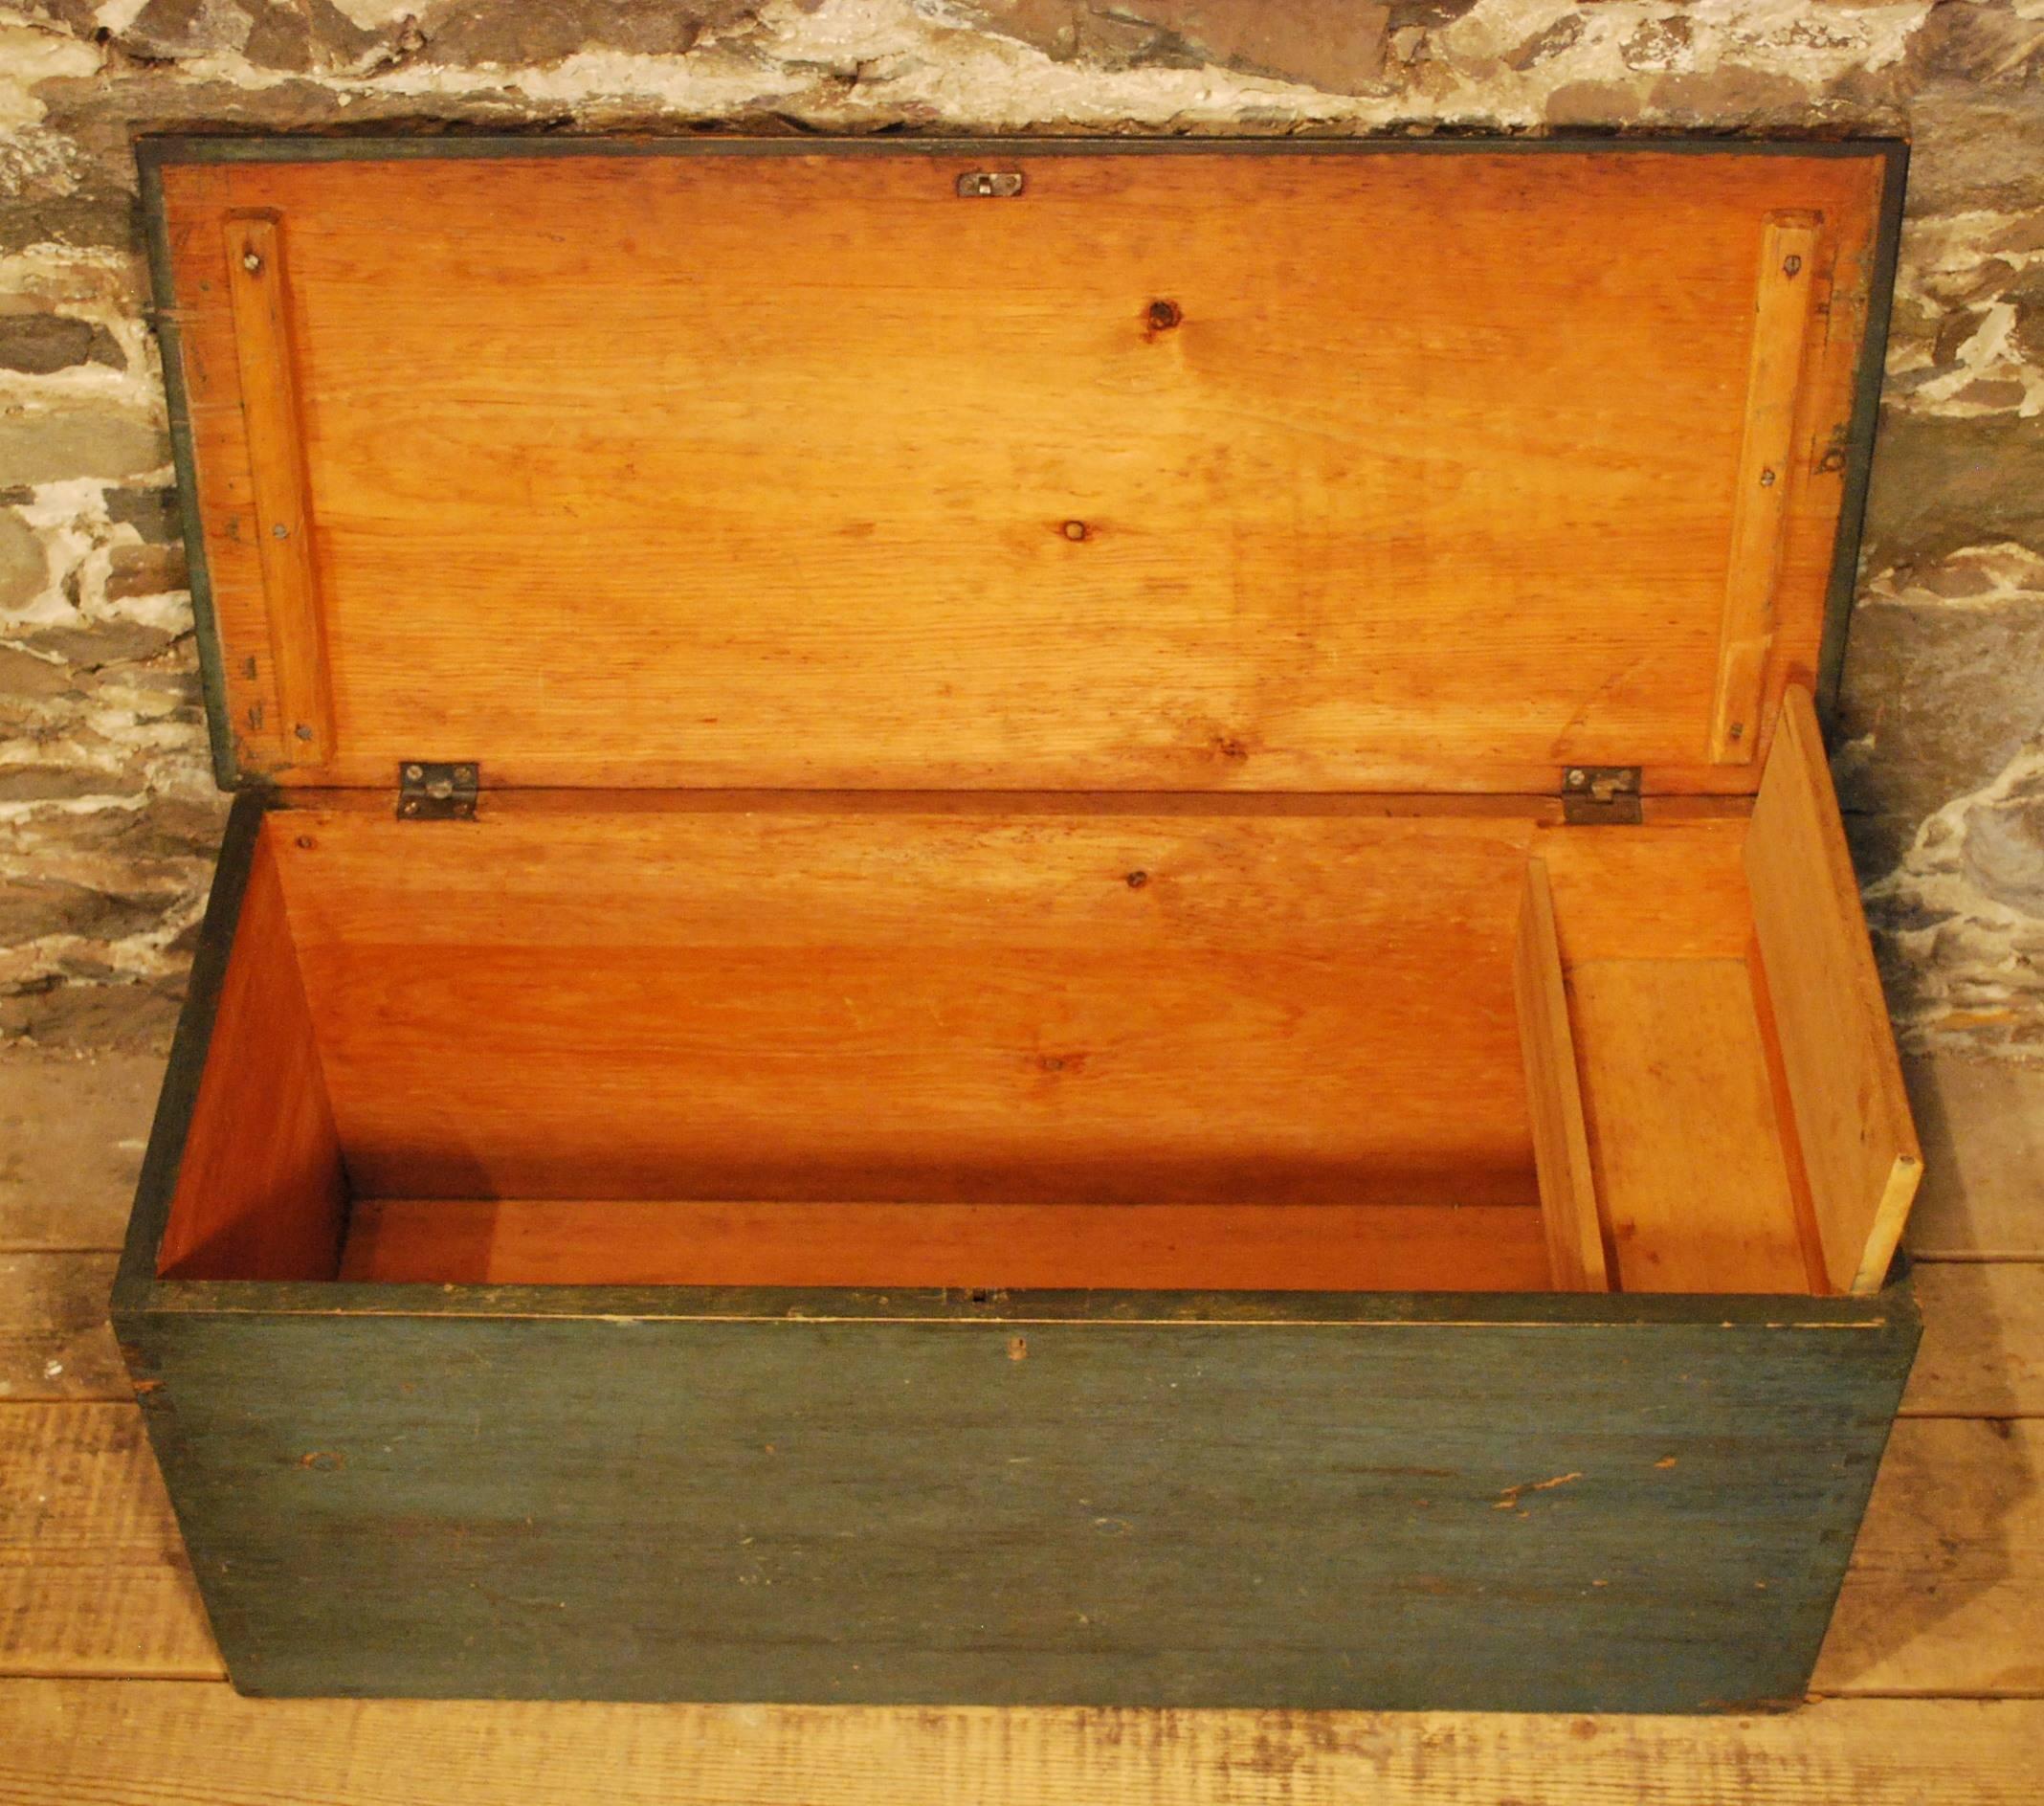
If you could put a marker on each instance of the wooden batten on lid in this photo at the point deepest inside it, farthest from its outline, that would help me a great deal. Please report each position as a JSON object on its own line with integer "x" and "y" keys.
{"x": 1035, "y": 466}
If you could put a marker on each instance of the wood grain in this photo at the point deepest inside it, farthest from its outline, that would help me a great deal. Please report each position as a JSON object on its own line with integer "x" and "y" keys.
{"x": 54, "y": 1342}
{"x": 260, "y": 1190}
{"x": 1684, "y": 1143}
{"x": 1020, "y": 1512}
{"x": 1769, "y": 470}
{"x": 1575, "y": 1231}
{"x": 256, "y": 285}
{"x": 1945, "y": 1593}
{"x": 1982, "y": 1355}
{"x": 1310, "y": 537}
{"x": 1983, "y": 1348}
{"x": 1981, "y": 1124}
{"x": 1239, "y": 1246}
{"x": 965, "y": 1009}
{"x": 73, "y": 1132}
{"x": 92, "y": 1575}
{"x": 1837, "y": 1050}
{"x": 154, "y": 1744}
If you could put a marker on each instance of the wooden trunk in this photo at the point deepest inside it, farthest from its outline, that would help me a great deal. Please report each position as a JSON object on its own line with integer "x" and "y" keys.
{"x": 1025, "y": 922}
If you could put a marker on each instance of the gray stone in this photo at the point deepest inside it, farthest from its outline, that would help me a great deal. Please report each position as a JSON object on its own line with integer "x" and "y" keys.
{"x": 1877, "y": 844}
{"x": 61, "y": 444}
{"x": 24, "y": 572}
{"x": 1977, "y": 148}
{"x": 1943, "y": 697}
{"x": 1727, "y": 97}
{"x": 1337, "y": 46}
{"x": 100, "y": 643}
{"x": 534, "y": 33}
{"x": 1990, "y": 45}
{"x": 1564, "y": 35}
{"x": 52, "y": 192}
{"x": 40, "y": 344}
{"x": 153, "y": 513}
{"x": 1659, "y": 43}
{"x": 23, "y": 675}
{"x": 1429, "y": 14}
{"x": 100, "y": 218}
{"x": 1596, "y": 104}
{"x": 316, "y": 35}
{"x": 111, "y": 1018}
{"x": 2003, "y": 852}
{"x": 62, "y": 784}
{"x": 2025, "y": 293}
{"x": 166, "y": 30}
{"x": 145, "y": 570}
{"x": 1942, "y": 482}
{"x": 33, "y": 908}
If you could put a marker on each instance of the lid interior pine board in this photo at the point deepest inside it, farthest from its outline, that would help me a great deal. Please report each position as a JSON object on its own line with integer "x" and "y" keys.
{"x": 1337, "y": 470}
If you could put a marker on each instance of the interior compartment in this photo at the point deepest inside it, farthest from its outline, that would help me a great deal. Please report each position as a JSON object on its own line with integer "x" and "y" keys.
{"x": 999, "y": 1042}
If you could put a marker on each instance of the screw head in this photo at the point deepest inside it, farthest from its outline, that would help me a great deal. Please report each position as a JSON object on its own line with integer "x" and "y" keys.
{"x": 303, "y": 731}
{"x": 1163, "y": 314}
{"x": 414, "y": 772}
{"x": 278, "y": 530}
{"x": 1792, "y": 264}
{"x": 1577, "y": 778}
{"x": 251, "y": 262}
{"x": 1073, "y": 529}
{"x": 1767, "y": 479}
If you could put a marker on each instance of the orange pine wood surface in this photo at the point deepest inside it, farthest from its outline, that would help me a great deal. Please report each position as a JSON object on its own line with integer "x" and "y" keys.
{"x": 1837, "y": 1049}
{"x": 1690, "y": 1167}
{"x": 260, "y": 1190}
{"x": 1187, "y": 1045}
{"x": 1575, "y": 1231}
{"x": 273, "y": 420}
{"x": 1241, "y": 1246}
{"x": 1768, "y": 472}
{"x": 972, "y": 1010}
{"x": 801, "y": 471}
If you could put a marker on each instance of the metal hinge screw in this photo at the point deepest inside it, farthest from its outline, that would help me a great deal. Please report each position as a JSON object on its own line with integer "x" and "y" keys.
{"x": 251, "y": 262}
{"x": 1790, "y": 264}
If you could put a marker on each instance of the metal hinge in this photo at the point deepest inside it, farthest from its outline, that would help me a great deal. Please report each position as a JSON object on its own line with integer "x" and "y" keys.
{"x": 1594, "y": 794}
{"x": 429, "y": 791}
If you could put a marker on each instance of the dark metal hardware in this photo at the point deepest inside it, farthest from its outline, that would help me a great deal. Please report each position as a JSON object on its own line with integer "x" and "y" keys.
{"x": 990, "y": 185}
{"x": 429, "y": 791}
{"x": 1595, "y": 794}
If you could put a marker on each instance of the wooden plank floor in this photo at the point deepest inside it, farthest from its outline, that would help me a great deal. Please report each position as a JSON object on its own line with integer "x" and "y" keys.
{"x": 1931, "y": 1686}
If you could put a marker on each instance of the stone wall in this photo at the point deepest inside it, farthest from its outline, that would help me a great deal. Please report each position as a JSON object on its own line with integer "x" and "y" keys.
{"x": 107, "y": 812}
